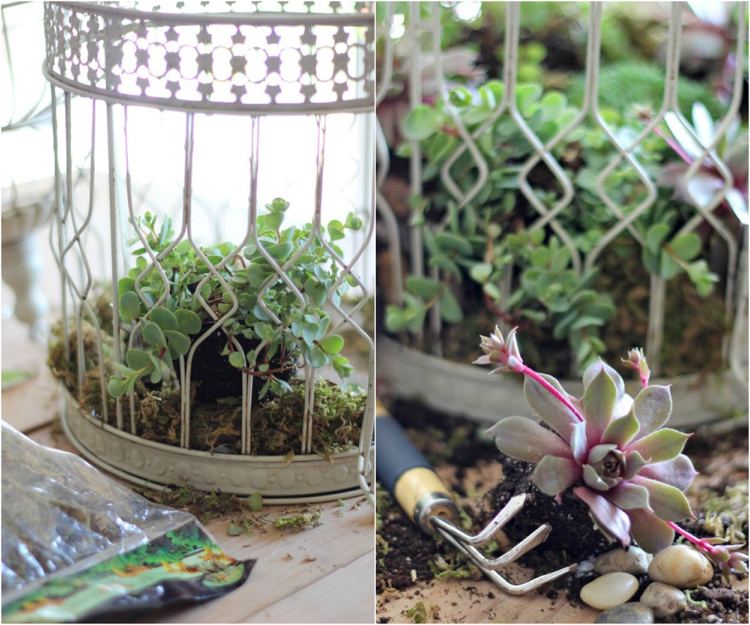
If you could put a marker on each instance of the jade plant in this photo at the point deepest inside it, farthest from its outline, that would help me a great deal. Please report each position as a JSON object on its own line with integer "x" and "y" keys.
{"x": 240, "y": 292}
{"x": 609, "y": 449}
{"x": 476, "y": 245}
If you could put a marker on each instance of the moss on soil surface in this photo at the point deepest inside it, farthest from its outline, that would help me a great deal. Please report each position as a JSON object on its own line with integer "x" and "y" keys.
{"x": 215, "y": 426}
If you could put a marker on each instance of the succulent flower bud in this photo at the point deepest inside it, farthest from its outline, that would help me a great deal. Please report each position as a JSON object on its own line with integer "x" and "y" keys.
{"x": 637, "y": 361}
{"x": 501, "y": 351}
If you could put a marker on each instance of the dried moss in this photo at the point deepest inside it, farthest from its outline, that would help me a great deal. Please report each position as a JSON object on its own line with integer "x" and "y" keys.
{"x": 215, "y": 427}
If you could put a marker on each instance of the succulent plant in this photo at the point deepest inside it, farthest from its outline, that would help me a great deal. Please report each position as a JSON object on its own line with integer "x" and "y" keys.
{"x": 610, "y": 449}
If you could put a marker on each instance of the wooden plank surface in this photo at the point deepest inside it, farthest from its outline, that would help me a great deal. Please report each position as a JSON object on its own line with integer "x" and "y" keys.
{"x": 321, "y": 575}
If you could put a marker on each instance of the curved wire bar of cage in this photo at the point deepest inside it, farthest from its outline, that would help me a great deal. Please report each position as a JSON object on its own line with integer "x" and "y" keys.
{"x": 624, "y": 152}
{"x": 383, "y": 160}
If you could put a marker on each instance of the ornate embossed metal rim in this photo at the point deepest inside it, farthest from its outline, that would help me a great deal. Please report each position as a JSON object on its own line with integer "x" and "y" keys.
{"x": 280, "y": 62}
{"x": 307, "y": 478}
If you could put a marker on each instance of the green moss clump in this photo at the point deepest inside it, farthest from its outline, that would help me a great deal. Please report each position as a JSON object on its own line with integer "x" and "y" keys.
{"x": 626, "y": 83}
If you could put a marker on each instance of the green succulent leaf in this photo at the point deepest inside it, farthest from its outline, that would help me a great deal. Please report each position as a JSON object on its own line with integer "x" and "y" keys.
{"x": 137, "y": 359}
{"x": 332, "y": 344}
{"x": 237, "y": 359}
{"x": 661, "y": 445}
{"x": 554, "y": 475}
{"x": 669, "y": 503}
{"x": 481, "y": 272}
{"x": 678, "y": 472}
{"x": 116, "y": 387}
{"x": 423, "y": 287}
{"x": 593, "y": 480}
{"x": 130, "y": 305}
{"x": 153, "y": 335}
{"x": 450, "y": 309}
{"x": 523, "y": 439}
{"x": 652, "y": 407}
{"x": 178, "y": 343}
{"x": 622, "y": 430}
{"x": 164, "y": 318}
{"x": 547, "y": 408}
{"x": 599, "y": 401}
{"x": 634, "y": 462}
{"x": 599, "y": 452}
{"x": 595, "y": 368}
{"x": 188, "y": 322}
{"x": 422, "y": 122}
{"x": 627, "y": 496}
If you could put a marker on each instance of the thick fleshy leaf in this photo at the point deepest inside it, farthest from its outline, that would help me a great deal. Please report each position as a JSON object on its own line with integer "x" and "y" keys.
{"x": 634, "y": 462}
{"x": 738, "y": 204}
{"x": 627, "y": 495}
{"x": 595, "y": 368}
{"x": 579, "y": 442}
{"x": 623, "y": 406}
{"x": 678, "y": 472}
{"x": 598, "y": 452}
{"x": 661, "y": 445}
{"x": 593, "y": 480}
{"x": 599, "y": 403}
{"x": 608, "y": 516}
{"x": 650, "y": 532}
{"x": 668, "y": 503}
{"x": 524, "y": 439}
{"x": 652, "y": 407}
{"x": 553, "y": 475}
{"x": 621, "y": 431}
{"x": 549, "y": 409}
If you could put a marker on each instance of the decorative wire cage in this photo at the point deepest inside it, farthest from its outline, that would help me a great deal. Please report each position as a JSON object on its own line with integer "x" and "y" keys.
{"x": 232, "y": 67}
{"x": 407, "y": 370}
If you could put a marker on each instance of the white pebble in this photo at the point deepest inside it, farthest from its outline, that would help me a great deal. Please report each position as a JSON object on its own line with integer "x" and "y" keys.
{"x": 681, "y": 566}
{"x": 663, "y": 599}
{"x": 609, "y": 590}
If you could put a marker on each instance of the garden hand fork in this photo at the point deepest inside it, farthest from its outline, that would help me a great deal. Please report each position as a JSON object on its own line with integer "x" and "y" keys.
{"x": 421, "y": 493}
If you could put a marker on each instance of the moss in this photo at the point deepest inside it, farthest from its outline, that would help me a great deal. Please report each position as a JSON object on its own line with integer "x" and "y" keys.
{"x": 298, "y": 522}
{"x": 216, "y": 426}
{"x": 417, "y": 613}
{"x": 726, "y": 513}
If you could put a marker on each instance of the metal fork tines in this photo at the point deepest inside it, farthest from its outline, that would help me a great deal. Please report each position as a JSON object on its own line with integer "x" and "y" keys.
{"x": 468, "y": 545}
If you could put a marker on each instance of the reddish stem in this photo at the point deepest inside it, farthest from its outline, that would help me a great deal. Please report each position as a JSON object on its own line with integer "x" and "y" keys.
{"x": 698, "y": 542}
{"x": 552, "y": 390}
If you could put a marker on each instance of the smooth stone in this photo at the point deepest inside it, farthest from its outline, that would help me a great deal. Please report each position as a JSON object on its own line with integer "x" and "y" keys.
{"x": 681, "y": 566}
{"x": 609, "y": 590}
{"x": 663, "y": 599}
{"x": 632, "y": 612}
{"x": 633, "y": 560}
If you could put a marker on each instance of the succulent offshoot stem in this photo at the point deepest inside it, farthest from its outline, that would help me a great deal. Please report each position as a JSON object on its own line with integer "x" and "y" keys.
{"x": 504, "y": 353}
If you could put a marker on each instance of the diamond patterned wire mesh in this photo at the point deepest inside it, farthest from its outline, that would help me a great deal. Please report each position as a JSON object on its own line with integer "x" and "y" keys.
{"x": 464, "y": 192}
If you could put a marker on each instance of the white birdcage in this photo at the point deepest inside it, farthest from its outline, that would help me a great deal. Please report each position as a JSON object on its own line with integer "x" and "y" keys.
{"x": 416, "y": 368}
{"x": 247, "y": 93}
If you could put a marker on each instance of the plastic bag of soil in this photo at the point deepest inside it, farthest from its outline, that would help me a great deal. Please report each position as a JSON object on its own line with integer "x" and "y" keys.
{"x": 78, "y": 545}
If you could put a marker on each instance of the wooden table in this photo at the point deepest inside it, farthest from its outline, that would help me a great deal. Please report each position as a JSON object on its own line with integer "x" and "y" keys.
{"x": 320, "y": 575}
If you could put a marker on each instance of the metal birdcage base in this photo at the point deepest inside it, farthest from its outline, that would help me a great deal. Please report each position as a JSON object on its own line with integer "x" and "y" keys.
{"x": 468, "y": 391}
{"x": 303, "y": 479}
